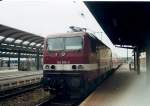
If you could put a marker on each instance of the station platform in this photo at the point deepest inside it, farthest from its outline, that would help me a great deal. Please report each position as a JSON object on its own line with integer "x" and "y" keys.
{"x": 123, "y": 88}
{"x": 13, "y": 79}
{"x": 15, "y": 73}
{"x": 8, "y": 70}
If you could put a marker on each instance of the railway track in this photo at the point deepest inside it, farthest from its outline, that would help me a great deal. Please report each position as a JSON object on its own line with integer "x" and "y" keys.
{"x": 17, "y": 91}
{"x": 28, "y": 98}
{"x": 18, "y": 82}
{"x": 49, "y": 100}
{"x": 60, "y": 100}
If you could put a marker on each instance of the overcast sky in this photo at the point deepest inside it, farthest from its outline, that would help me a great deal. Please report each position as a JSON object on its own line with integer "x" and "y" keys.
{"x": 45, "y": 17}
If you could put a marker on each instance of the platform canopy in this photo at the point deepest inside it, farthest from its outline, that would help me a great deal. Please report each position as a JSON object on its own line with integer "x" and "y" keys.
{"x": 14, "y": 40}
{"x": 125, "y": 23}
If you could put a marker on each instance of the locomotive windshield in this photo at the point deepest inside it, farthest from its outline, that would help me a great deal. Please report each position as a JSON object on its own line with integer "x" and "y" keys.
{"x": 73, "y": 43}
{"x": 55, "y": 44}
{"x": 66, "y": 43}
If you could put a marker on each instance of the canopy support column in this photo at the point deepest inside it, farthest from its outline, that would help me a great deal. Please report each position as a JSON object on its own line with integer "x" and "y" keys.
{"x": 37, "y": 59}
{"x": 138, "y": 61}
{"x": 18, "y": 60}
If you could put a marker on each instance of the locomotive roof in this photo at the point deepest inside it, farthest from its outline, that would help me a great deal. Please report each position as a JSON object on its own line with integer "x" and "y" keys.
{"x": 68, "y": 34}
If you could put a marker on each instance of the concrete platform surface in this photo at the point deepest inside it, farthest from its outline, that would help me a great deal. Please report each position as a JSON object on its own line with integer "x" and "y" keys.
{"x": 7, "y": 70}
{"x": 15, "y": 74}
{"x": 123, "y": 88}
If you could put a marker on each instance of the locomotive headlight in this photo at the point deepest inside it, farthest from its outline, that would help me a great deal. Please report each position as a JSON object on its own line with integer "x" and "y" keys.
{"x": 53, "y": 67}
{"x": 80, "y": 67}
{"x": 46, "y": 66}
{"x": 74, "y": 67}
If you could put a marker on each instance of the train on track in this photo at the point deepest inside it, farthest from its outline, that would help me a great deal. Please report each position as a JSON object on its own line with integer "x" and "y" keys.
{"x": 74, "y": 62}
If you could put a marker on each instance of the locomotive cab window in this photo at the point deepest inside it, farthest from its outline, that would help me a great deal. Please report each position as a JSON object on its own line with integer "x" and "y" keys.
{"x": 73, "y": 43}
{"x": 55, "y": 44}
{"x": 66, "y": 43}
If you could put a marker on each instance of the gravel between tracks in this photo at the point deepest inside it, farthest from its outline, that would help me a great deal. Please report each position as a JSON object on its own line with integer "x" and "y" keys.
{"x": 30, "y": 98}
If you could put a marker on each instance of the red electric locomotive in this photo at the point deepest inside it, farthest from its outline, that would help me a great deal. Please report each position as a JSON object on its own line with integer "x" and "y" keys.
{"x": 74, "y": 61}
